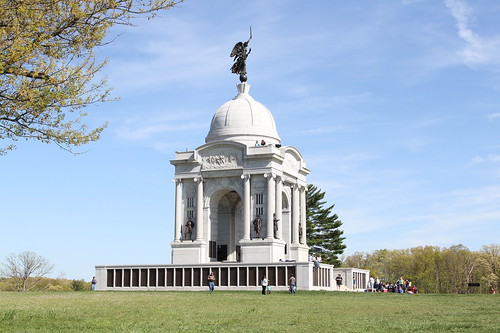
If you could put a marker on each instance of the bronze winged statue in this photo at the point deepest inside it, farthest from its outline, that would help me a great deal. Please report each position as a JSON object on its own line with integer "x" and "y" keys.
{"x": 240, "y": 55}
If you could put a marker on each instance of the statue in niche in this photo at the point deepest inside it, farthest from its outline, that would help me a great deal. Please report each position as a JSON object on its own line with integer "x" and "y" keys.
{"x": 189, "y": 229}
{"x": 300, "y": 233}
{"x": 275, "y": 221}
{"x": 240, "y": 55}
{"x": 257, "y": 225}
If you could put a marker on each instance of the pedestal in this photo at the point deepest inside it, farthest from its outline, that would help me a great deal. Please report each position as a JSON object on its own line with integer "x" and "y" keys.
{"x": 189, "y": 252}
{"x": 299, "y": 252}
{"x": 262, "y": 250}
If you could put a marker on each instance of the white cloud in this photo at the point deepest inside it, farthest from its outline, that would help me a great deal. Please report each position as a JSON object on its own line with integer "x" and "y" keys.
{"x": 315, "y": 102}
{"x": 147, "y": 132}
{"x": 478, "y": 49}
{"x": 463, "y": 216}
{"x": 327, "y": 129}
{"x": 493, "y": 116}
{"x": 493, "y": 158}
{"x": 430, "y": 122}
{"x": 411, "y": 2}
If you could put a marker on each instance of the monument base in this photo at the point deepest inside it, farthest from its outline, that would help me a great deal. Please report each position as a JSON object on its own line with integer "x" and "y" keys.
{"x": 189, "y": 252}
{"x": 229, "y": 276}
{"x": 262, "y": 250}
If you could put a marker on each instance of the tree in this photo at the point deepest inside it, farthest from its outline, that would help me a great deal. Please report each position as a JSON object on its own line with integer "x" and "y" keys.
{"x": 323, "y": 234}
{"x": 26, "y": 270}
{"x": 48, "y": 66}
{"x": 358, "y": 260}
{"x": 460, "y": 264}
{"x": 425, "y": 268}
{"x": 489, "y": 266}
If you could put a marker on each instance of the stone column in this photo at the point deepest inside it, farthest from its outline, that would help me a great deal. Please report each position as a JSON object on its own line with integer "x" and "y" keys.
{"x": 295, "y": 214}
{"x": 199, "y": 209}
{"x": 303, "y": 217}
{"x": 178, "y": 209}
{"x": 279, "y": 207}
{"x": 271, "y": 200}
{"x": 246, "y": 207}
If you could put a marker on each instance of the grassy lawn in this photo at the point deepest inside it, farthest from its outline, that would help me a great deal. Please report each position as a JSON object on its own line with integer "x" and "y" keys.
{"x": 226, "y": 311}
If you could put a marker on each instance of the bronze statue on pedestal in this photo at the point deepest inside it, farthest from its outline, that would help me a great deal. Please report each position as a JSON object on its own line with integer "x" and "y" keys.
{"x": 240, "y": 55}
{"x": 257, "y": 225}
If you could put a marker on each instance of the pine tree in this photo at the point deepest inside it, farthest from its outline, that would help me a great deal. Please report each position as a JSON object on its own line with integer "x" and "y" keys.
{"x": 323, "y": 234}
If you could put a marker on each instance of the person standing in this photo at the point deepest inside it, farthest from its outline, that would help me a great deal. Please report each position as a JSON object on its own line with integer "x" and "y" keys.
{"x": 339, "y": 281}
{"x": 401, "y": 285}
{"x": 94, "y": 283}
{"x": 371, "y": 283}
{"x": 211, "y": 282}
{"x": 376, "y": 286}
{"x": 292, "y": 281}
{"x": 264, "y": 283}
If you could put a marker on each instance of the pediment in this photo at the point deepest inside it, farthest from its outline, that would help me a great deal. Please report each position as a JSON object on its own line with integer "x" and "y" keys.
{"x": 292, "y": 162}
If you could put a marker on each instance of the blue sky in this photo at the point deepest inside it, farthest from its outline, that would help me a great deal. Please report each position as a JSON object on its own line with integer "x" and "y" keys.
{"x": 395, "y": 106}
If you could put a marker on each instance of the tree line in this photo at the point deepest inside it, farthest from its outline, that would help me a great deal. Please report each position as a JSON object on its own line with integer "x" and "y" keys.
{"x": 435, "y": 269}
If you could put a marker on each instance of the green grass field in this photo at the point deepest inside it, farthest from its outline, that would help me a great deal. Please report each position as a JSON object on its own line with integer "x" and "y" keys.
{"x": 246, "y": 312}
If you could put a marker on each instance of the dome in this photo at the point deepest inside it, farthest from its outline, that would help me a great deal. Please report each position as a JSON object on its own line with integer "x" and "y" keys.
{"x": 243, "y": 120}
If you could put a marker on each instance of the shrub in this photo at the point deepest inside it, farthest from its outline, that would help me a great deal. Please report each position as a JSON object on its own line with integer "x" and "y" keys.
{"x": 77, "y": 285}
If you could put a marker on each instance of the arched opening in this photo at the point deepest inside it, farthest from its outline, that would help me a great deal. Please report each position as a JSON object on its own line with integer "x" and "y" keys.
{"x": 226, "y": 226}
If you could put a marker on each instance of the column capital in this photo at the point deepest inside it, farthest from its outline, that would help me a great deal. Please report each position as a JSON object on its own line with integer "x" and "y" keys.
{"x": 177, "y": 180}
{"x": 198, "y": 179}
{"x": 269, "y": 175}
{"x": 297, "y": 186}
{"x": 245, "y": 176}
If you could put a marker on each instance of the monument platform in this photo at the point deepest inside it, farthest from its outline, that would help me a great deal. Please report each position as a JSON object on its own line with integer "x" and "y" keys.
{"x": 228, "y": 275}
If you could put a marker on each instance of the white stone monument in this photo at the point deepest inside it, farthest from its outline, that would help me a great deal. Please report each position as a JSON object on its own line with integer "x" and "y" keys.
{"x": 242, "y": 177}
{"x": 240, "y": 210}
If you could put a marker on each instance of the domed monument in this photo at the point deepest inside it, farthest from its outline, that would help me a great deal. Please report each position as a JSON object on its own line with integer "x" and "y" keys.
{"x": 243, "y": 190}
{"x": 240, "y": 208}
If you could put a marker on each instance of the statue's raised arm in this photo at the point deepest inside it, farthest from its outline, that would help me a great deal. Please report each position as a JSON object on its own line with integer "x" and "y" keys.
{"x": 240, "y": 55}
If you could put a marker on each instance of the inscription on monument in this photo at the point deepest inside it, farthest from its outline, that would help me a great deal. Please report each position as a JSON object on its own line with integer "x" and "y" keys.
{"x": 221, "y": 159}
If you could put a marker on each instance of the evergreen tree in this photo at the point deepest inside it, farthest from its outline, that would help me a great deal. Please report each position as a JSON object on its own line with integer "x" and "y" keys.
{"x": 323, "y": 234}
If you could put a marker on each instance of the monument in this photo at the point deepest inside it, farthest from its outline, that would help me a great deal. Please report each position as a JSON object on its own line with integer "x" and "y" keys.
{"x": 240, "y": 208}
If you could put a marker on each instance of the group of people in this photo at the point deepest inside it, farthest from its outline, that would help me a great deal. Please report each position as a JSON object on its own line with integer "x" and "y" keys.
{"x": 401, "y": 286}
{"x": 258, "y": 144}
{"x": 266, "y": 285}
{"x": 264, "y": 282}
{"x": 316, "y": 260}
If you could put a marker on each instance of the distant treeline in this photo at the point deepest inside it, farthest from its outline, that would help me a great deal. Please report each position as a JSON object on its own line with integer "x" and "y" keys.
{"x": 434, "y": 269}
{"x": 47, "y": 284}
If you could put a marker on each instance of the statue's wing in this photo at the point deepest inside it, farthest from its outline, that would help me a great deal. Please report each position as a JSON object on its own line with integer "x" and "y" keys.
{"x": 236, "y": 49}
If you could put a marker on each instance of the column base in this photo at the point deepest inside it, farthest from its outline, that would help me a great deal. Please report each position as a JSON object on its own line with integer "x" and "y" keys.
{"x": 299, "y": 252}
